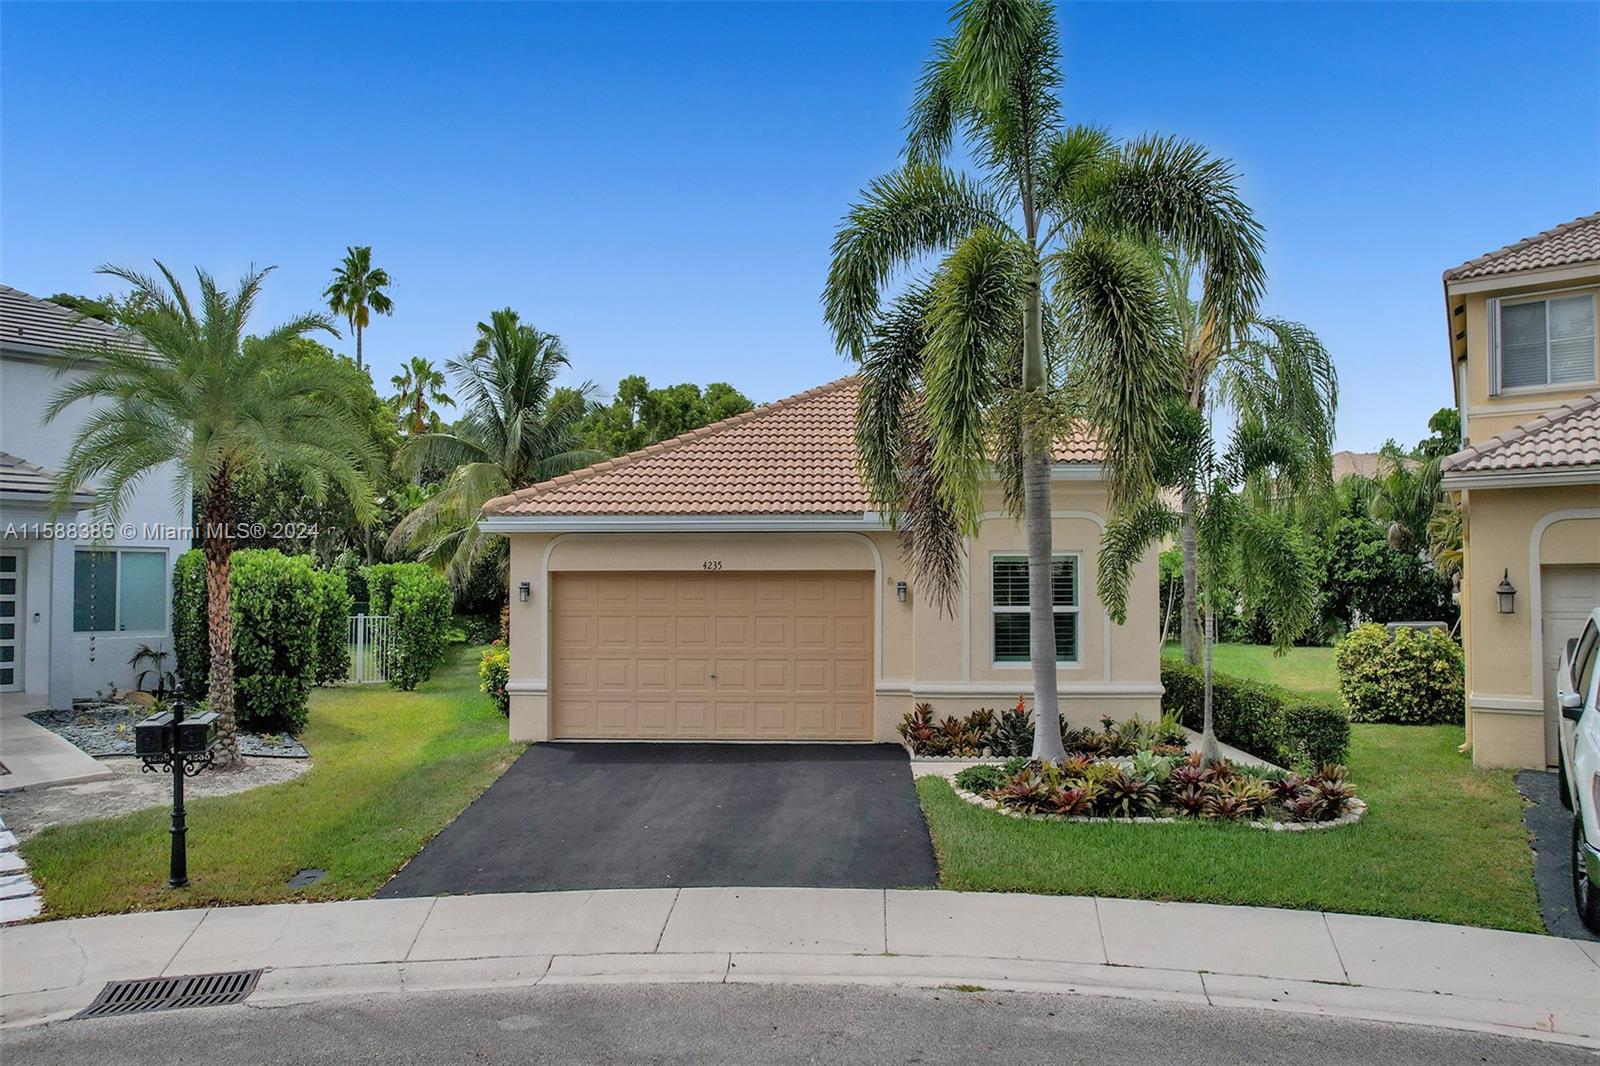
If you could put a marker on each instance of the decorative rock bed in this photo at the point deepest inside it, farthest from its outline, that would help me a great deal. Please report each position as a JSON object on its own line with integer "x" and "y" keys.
{"x": 1355, "y": 810}
{"x": 104, "y": 728}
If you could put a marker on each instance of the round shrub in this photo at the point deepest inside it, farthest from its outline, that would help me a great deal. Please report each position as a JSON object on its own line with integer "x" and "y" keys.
{"x": 1316, "y": 734}
{"x": 191, "y": 636}
{"x": 274, "y": 637}
{"x": 333, "y": 627}
{"x": 418, "y": 602}
{"x": 1415, "y": 678}
{"x": 494, "y": 673}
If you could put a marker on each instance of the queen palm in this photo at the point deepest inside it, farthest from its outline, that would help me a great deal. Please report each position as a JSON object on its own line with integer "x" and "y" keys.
{"x": 419, "y": 391}
{"x": 1275, "y": 372}
{"x": 224, "y": 409}
{"x": 518, "y": 429}
{"x": 356, "y": 291}
{"x": 1033, "y": 298}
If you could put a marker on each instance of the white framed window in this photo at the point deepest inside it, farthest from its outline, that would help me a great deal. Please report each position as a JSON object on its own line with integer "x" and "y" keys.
{"x": 1545, "y": 342}
{"x": 119, "y": 590}
{"x": 1009, "y": 625}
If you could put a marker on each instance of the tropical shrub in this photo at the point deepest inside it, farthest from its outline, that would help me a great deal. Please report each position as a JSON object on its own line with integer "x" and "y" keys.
{"x": 275, "y": 607}
{"x": 191, "y": 639}
{"x": 1247, "y": 715}
{"x": 981, "y": 779}
{"x": 333, "y": 626}
{"x": 417, "y": 601}
{"x": 349, "y": 564}
{"x": 494, "y": 674}
{"x": 380, "y": 579}
{"x": 1013, "y": 731}
{"x": 1417, "y": 677}
{"x": 1314, "y": 734}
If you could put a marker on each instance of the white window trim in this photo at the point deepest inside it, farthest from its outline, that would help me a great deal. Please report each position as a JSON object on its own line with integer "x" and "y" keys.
{"x": 1495, "y": 366}
{"x": 166, "y": 589}
{"x": 1075, "y": 609}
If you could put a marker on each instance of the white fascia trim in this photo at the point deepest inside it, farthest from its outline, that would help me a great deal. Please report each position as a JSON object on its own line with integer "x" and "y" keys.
{"x": 1518, "y": 479}
{"x": 1125, "y": 690}
{"x": 1516, "y": 279}
{"x": 795, "y": 523}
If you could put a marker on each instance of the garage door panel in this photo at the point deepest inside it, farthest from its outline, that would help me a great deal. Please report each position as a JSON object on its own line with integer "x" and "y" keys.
{"x": 712, "y": 656}
{"x": 1568, "y": 594}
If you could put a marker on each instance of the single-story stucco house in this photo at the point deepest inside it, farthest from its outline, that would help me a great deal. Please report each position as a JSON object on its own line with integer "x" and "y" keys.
{"x": 78, "y": 597}
{"x": 1525, "y": 361}
{"x": 734, "y": 584}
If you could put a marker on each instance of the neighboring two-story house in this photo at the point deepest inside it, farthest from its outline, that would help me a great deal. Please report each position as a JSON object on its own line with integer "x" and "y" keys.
{"x": 73, "y": 608}
{"x": 1526, "y": 364}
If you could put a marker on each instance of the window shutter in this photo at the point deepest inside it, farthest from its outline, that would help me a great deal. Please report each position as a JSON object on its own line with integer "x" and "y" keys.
{"x": 1493, "y": 312}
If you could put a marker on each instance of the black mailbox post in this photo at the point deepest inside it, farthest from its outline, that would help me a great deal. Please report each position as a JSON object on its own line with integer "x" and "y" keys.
{"x": 182, "y": 747}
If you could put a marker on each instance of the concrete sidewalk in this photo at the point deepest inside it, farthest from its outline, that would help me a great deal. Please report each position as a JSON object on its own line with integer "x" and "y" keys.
{"x": 34, "y": 757}
{"x": 1373, "y": 968}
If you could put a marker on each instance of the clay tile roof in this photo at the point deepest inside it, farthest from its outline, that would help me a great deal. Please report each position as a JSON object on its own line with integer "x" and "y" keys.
{"x": 1564, "y": 438}
{"x": 1572, "y": 242}
{"x": 794, "y": 456}
{"x": 32, "y": 323}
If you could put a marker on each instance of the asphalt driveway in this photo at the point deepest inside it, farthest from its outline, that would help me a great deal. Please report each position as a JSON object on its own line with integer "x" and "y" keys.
{"x": 575, "y": 816}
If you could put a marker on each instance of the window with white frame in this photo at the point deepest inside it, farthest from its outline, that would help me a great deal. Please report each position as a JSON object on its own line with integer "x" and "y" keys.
{"x": 116, "y": 589}
{"x": 1547, "y": 342}
{"x": 1009, "y": 607}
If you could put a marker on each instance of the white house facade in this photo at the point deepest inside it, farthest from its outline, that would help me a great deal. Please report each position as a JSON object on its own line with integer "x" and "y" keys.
{"x": 79, "y": 595}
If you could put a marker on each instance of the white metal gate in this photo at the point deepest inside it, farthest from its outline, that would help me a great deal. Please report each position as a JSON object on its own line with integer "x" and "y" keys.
{"x": 369, "y": 648}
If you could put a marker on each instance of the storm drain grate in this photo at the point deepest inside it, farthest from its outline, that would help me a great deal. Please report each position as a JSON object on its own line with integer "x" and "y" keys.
{"x": 171, "y": 993}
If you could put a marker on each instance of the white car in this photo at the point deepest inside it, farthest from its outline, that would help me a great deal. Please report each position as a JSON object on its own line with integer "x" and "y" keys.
{"x": 1577, "y": 682}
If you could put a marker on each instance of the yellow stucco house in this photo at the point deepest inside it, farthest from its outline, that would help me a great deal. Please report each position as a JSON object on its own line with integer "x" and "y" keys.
{"x": 1526, "y": 365}
{"x": 734, "y": 584}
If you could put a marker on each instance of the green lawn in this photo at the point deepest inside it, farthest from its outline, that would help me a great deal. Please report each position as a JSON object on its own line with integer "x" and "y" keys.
{"x": 1308, "y": 671}
{"x": 389, "y": 770}
{"x": 1442, "y": 842}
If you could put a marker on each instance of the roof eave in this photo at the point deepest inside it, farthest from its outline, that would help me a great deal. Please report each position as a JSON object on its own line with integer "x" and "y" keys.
{"x": 1511, "y": 279}
{"x": 863, "y": 522}
{"x": 1533, "y": 477}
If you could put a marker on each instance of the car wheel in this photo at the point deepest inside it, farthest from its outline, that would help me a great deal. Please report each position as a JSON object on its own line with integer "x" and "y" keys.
{"x": 1585, "y": 893}
{"x": 1561, "y": 781}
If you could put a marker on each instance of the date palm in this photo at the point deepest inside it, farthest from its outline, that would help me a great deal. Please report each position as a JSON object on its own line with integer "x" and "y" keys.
{"x": 518, "y": 429}
{"x": 1274, "y": 372}
{"x": 221, "y": 408}
{"x": 419, "y": 391}
{"x": 1026, "y": 295}
{"x": 357, "y": 291}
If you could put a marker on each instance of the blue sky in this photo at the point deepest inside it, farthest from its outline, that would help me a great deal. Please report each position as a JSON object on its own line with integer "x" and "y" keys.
{"x": 659, "y": 183}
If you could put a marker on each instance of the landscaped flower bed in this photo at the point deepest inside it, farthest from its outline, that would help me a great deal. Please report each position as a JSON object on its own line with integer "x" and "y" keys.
{"x": 1138, "y": 771}
{"x": 1010, "y": 733}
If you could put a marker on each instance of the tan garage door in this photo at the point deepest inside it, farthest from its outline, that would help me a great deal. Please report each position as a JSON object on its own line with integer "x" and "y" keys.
{"x": 714, "y": 656}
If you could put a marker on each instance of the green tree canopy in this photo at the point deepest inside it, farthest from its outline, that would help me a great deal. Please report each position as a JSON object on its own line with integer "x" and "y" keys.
{"x": 639, "y": 415}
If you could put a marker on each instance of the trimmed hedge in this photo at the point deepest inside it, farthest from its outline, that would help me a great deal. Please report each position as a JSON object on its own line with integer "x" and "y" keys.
{"x": 275, "y": 607}
{"x": 191, "y": 632}
{"x": 418, "y": 606}
{"x": 1257, "y": 718}
{"x": 1416, "y": 678}
{"x": 333, "y": 627}
{"x": 380, "y": 579}
{"x": 494, "y": 674}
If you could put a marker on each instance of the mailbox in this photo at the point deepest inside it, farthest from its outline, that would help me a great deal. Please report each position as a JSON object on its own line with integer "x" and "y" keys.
{"x": 153, "y": 736}
{"x": 196, "y": 733}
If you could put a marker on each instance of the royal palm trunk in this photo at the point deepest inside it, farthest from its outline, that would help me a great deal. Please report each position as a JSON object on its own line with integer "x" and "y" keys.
{"x": 1036, "y": 521}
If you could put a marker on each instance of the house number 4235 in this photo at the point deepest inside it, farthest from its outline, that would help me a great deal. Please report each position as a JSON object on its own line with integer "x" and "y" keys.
{"x": 711, "y": 564}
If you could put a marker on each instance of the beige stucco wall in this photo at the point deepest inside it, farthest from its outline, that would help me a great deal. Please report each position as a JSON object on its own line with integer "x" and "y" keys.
{"x": 1514, "y": 532}
{"x": 1488, "y": 416}
{"x": 921, "y": 654}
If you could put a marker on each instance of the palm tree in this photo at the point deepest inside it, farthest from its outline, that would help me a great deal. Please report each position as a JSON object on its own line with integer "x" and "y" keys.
{"x": 1275, "y": 371}
{"x": 1405, "y": 494}
{"x": 1043, "y": 302}
{"x": 223, "y": 409}
{"x": 518, "y": 429}
{"x": 418, "y": 391}
{"x": 356, "y": 291}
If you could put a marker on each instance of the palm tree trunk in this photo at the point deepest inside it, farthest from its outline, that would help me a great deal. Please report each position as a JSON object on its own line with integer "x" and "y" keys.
{"x": 358, "y": 347}
{"x": 219, "y": 622}
{"x": 1191, "y": 584}
{"x": 1208, "y": 732}
{"x": 1041, "y": 613}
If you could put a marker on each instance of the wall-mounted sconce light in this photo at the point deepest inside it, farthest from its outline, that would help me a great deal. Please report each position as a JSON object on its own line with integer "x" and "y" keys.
{"x": 524, "y": 591}
{"x": 1507, "y": 592}
{"x": 900, "y": 592}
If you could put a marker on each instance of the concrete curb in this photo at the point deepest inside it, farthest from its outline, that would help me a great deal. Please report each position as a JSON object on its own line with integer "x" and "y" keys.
{"x": 1344, "y": 966}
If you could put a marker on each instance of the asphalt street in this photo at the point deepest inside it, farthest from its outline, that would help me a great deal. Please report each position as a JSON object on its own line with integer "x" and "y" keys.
{"x": 709, "y": 1025}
